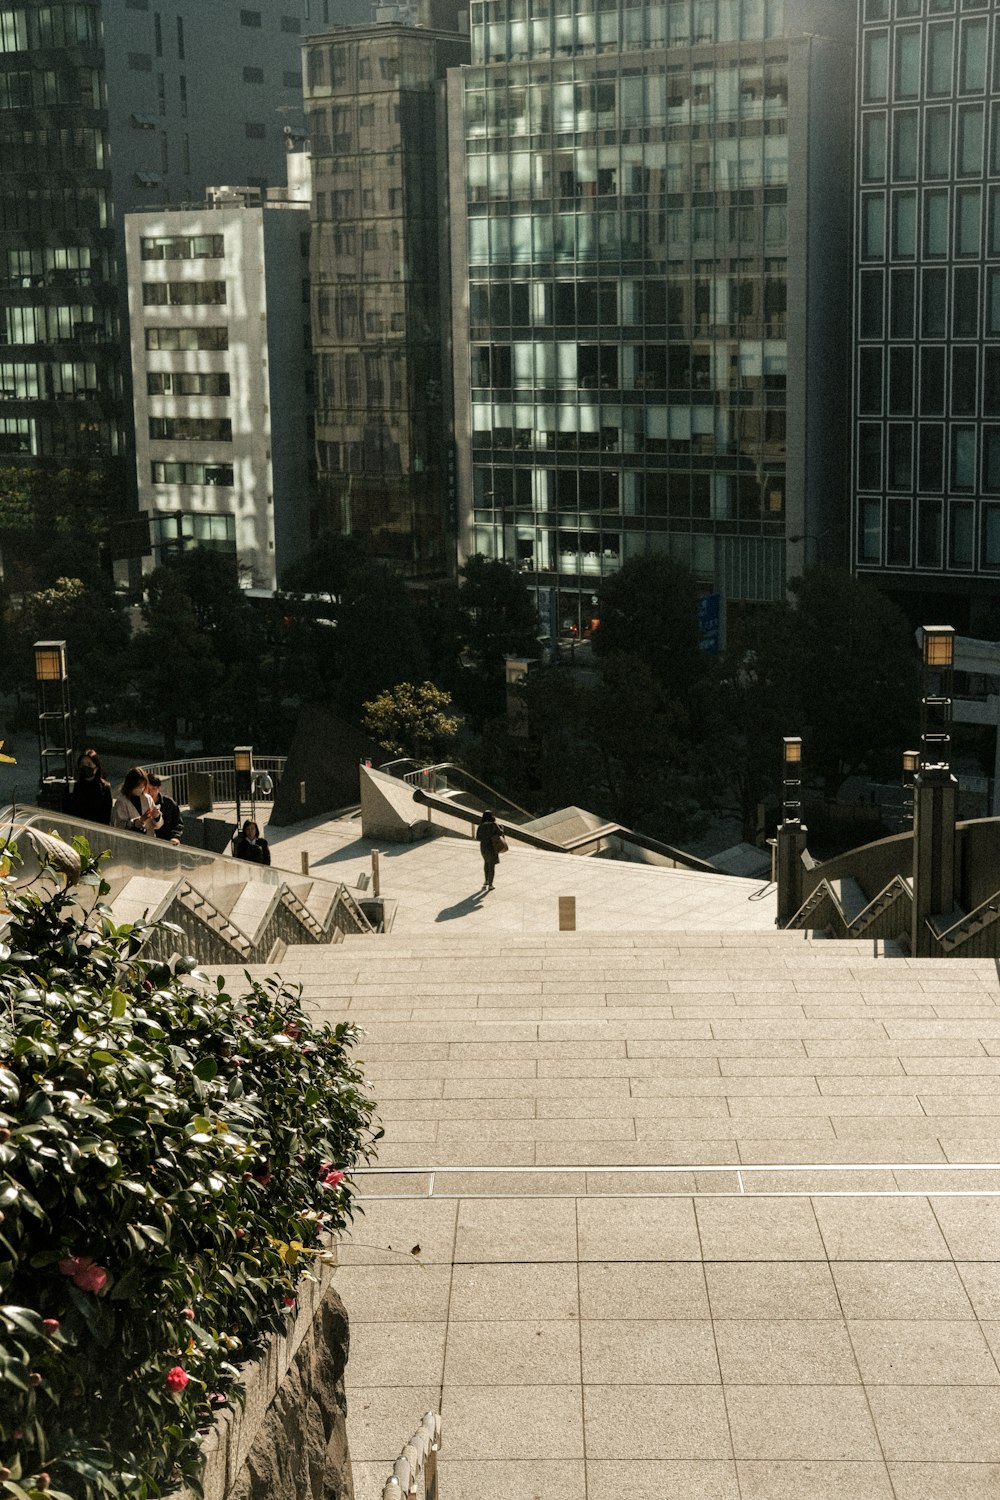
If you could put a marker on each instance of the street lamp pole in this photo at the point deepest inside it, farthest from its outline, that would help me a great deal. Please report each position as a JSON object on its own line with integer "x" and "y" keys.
{"x": 934, "y": 792}
{"x": 55, "y": 749}
{"x": 792, "y": 832}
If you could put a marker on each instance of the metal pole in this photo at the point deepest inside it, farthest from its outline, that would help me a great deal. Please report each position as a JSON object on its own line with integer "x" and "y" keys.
{"x": 376, "y": 891}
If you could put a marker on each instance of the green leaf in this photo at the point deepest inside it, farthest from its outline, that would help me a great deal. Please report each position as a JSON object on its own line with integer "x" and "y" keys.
{"x": 206, "y": 1069}
{"x": 119, "y": 1003}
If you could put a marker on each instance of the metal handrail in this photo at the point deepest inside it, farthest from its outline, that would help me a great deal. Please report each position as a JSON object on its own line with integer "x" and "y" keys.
{"x": 984, "y": 915}
{"x": 417, "y": 1461}
{"x": 420, "y": 775}
{"x": 223, "y": 774}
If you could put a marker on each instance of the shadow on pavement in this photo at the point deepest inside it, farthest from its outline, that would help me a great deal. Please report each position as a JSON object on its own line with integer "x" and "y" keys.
{"x": 461, "y": 908}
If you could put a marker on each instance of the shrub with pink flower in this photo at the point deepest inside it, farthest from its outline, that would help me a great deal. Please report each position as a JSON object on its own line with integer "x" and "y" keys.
{"x": 177, "y": 1379}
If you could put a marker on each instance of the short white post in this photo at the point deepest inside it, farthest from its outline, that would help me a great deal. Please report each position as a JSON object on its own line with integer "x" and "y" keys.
{"x": 304, "y": 857}
{"x": 376, "y": 891}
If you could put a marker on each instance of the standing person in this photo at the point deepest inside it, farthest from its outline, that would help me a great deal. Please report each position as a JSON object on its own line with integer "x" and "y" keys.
{"x": 491, "y": 846}
{"x": 248, "y": 844}
{"x": 134, "y": 808}
{"x": 173, "y": 825}
{"x": 90, "y": 795}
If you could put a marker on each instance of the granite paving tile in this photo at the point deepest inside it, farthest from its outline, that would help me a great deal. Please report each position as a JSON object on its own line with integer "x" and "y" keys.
{"x": 656, "y": 1422}
{"x": 880, "y": 1229}
{"x": 513, "y": 1352}
{"x": 785, "y": 1351}
{"x": 956, "y": 1481}
{"x": 971, "y": 1226}
{"x": 501, "y": 1479}
{"x": 788, "y": 1480}
{"x": 915, "y": 1289}
{"x": 758, "y": 1229}
{"x": 771, "y": 1290}
{"x": 489, "y": 1292}
{"x": 981, "y": 1280}
{"x": 516, "y": 1229}
{"x": 801, "y": 1422}
{"x": 935, "y": 1424}
{"x": 649, "y": 1351}
{"x": 921, "y": 1352}
{"x": 523, "y": 1422}
{"x": 627, "y": 1229}
{"x": 661, "y": 1290}
{"x": 397, "y": 1354}
{"x": 673, "y": 1479}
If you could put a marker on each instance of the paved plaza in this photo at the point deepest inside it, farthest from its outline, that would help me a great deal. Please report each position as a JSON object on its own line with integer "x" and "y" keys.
{"x": 674, "y": 1206}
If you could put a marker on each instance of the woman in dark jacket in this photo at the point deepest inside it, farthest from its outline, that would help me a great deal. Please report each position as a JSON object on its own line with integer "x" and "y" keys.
{"x": 90, "y": 796}
{"x": 489, "y": 833}
{"x": 248, "y": 844}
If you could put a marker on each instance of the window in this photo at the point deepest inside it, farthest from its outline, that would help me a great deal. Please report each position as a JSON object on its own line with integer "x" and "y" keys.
{"x": 990, "y": 537}
{"x": 964, "y": 369}
{"x": 991, "y": 380}
{"x": 897, "y": 532}
{"x": 183, "y": 293}
{"x": 254, "y": 130}
{"x": 871, "y": 304}
{"x": 931, "y": 474}
{"x": 993, "y": 302}
{"x": 180, "y": 38}
{"x": 934, "y": 304}
{"x": 929, "y": 534}
{"x": 971, "y": 123}
{"x": 183, "y": 88}
{"x": 140, "y": 62}
{"x": 187, "y": 338}
{"x": 961, "y": 539}
{"x": 876, "y": 72}
{"x": 963, "y": 458}
{"x": 157, "y": 35}
{"x": 991, "y": 460}
{"x": 900, "y": 382}
{"x": 905, "y": 127}
{"x": 869, "y": 456}
{"x": 253, "y": 75}
{"x": 180, "y": 473}
{"x": 904, "y": 225}
{"x": 191, "y": 429}
{"x": 873, "y": 226}
{"x": 900, "y": 457}
{"x": 965, "y": 303}
{"x": 870, "y": 531}
{"x": 870, "y": 381}
{"x": 291, "y": 25}
{"x": 937, "y": 143}
{"x": 291, "y": 80}
{"x": 968, "y": 221}
{"x": 907, "y": 64}
{"x": 936, "y": 222}
{"x": 250, "y": 18}
{"x": 873, "y": 148}
{"x": 183, "y": 247}
{"x": 931, "y": 380}
{"x": 902, "y": 299}
{"x": 972, "y": 57}
{"x": 186, "y": 383}
{"x": 940, "y": 41}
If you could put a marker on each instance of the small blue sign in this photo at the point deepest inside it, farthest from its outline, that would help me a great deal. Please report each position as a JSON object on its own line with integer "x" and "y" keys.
{"x": 711, "y": 623}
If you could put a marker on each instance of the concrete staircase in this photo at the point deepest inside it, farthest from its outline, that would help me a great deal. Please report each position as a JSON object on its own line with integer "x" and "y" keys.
{"x": 688, "y": 1213}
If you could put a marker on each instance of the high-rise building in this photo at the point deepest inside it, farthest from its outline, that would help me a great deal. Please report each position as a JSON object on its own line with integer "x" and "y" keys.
{"x": 221, "y": 375}
{"x": 927, "y": 357}
{"x": 108, "y": 106}
{"x": 375, "y": 109}
{"x": 651, "y": 276}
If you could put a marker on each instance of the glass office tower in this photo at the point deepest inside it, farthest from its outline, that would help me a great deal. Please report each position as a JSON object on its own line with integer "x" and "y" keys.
{"x": 927, "y": 356}
{"x": 650, "y": 282}
{"x": 375, "y": 106}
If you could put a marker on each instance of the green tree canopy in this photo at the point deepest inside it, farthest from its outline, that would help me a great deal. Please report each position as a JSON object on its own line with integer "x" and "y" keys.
{"x": 411, "y": 719}
{"x": 649, "y": 610}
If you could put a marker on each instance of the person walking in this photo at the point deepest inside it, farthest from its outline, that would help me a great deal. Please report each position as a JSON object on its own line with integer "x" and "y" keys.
{"x": 491, "y": 845}
{"x": 173, "y": 825}
{"x": 134, "y": 808}
{"x": 248, "y": 844}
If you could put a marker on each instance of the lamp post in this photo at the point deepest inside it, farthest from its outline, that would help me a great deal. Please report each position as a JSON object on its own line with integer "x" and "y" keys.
{"x": 243, "y": 767}
{"x": 934, "y": 791}
{"x": 55, "y": 750}
{"x": 792, "y": 832}
{"x": 911, "y": 765}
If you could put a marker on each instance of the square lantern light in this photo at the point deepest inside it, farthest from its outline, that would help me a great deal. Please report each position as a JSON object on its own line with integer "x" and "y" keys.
{"x": 50, "y": 661}
{"x": 792, "y": 752}
{"x": 911, "y": 762}
{"x": 939, "y": 646}
{"x": 243, "y": 760}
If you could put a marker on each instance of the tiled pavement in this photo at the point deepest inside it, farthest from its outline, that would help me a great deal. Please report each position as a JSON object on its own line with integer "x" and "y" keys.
{"x": 789, "y": 1289}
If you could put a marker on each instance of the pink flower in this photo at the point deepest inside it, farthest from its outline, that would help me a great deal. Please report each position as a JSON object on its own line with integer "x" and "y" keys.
{"x": 289, "y": 1301}
{"x": 51, "y": 1325}
{"x": 177, "y": 1379}
{"x": 332, "y": 1179}
{"x": 188, "y": 1312}
{"x": 84, "y": 1272}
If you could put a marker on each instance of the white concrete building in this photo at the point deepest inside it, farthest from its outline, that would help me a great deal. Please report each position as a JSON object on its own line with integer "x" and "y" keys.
{"x": 219, "y": 313}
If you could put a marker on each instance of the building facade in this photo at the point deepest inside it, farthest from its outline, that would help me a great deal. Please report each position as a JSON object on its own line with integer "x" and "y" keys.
{"x": 222, "y": 376}
{"x": 650, "y": 278}
{"x": 926, "y": 492}
{"x": 108, "y": 106}
{"x": 375, "y": 109}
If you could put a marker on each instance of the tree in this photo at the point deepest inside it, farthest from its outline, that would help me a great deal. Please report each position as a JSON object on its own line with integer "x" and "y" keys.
{"x": 649, "y": 610}
{"x": 498, "y": 614}
{"x": 853, "y": 672}
{"x": 90, "y": 618}
{"x": 324, "y": 571}
{"x": 173, "y": 665}
{"x": 52, "y": 524}
{"x": 411, "y": 719}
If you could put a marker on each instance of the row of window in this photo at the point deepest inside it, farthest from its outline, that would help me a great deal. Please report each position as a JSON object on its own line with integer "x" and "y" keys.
{"x": 736, "y": 91}
{"x": 526, "y": 239}
{"x": 73, "y": 437}
{"x": 362, "y": 62}
{"x": 183, "y": 293}
{"x": 736, "y": 169}
{"x": 81, "y": 149}
{"x": 948, "y": 379}
{"x": 170, "y": 339}
{"x": 49, "y": 88}
{"x": 953, "y": 224}
{"x": 905, "y": 10}
{"x": 187, "y": 383}
{"x": 191, "y": 429}
{"x": 254, "y": 19}
{"x": 928, "y": 457}
{"x": 22, "y": 30}
{"x": 180, "y": 532}
{"x": 218, "y": 475}
{"x": 923, "y": 61}
{"x": 290, "y": 79}
{"x": 931, "y": 307}
{"x": 30, "y": 382}
{"x": 944, "y": 536}
{"x": 557, "y": 26}
{"x": 711, "y": 297}
{"x": 76, "y": 207}
{"x": 543, "y": 494}
{"x": 720, "y": 436}
{"x": 183, "y": 247}
{"x": 647, "y": 367}
{"x": 932, "y": 142}
{"x": 56, "y": 324}
{"x": 57, "y": 265}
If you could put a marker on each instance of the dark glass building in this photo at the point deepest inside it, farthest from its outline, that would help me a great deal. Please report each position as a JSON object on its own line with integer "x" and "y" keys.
{"x": 375, "y": 109}
{"x": 650, "y": 282}
{"x": 927, "y": 359}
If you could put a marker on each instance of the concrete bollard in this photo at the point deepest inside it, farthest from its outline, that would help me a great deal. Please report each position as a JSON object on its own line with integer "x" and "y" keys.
{"x": 304, "y": 857}
{"x": 567, "y": 913}
{"x": 302, "y": 793}
{"x": 376, "y": 889}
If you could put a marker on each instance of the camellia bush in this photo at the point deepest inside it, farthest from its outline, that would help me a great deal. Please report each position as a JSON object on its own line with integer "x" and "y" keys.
{"x": 173, "y": 1159}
